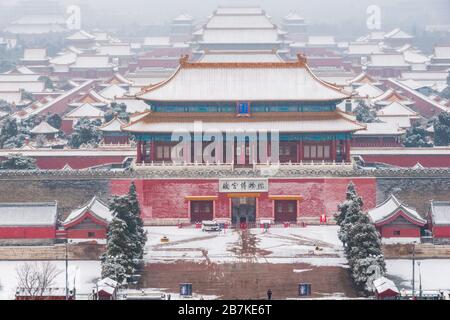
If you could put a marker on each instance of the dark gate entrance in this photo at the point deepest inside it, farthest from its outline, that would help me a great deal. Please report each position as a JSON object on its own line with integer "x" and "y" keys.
{"x": 286, "y": 211}
{"x": 243, "y": 210}
{"x": 201, "y": 211}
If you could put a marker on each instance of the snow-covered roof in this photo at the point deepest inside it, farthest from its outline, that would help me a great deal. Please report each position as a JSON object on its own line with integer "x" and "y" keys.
{"x": 28, "y": 214}
{"x": 36, "y": 54}
{"x": 282, "y": 81}
{"x": 380, "y": 129}
{"x": 383, "y": 284}
{"x": 134, "y": 105}
{"x": 391, "y": 95}
{"x": 157, "y": 42}
{"x": 397, "y": 109}
{"x": 92, "y": 62}
{"x": 29, "y": 86}
{"x": 113, "y": 91}
{"x": 86, "y": 110}
{"x": 361, "y": 48}
{"x": 114, "y": 125}
{"x": 440, "y": 212}
{"x": 398, "y": 34}
{"x": 240, "y": 22}
{"x": 19, "y": 77}
{"x": 368, "y": 90}
{"x": 397, "y": 121}
{"x": 117, "y": 78}
{"x": 44, "y": 128}
{"x": 183, "y": 17}
{"x": 442, "y": 52}
{"x": 238, "y": 36}
{"x": 20, "y": 70}
{"x": 115, "y": 50}
{"x": 388, "y": 60}
{"x": 11, "y": 97}
{"x": 81, "y": 35}
{"x": 415, "y": 57}
{"x": 362, "y": 78}
{"x": 66, "y": 58}
{"x": 414, "y": 84}
{"x": 390, "y": 207}
{"x": 239, "y": 11}
{"x": 293, "y": 122}
{"x": 107, "y": 285}
{"x": 95, "y": 207}
{"x": 293, "y": 16}
{"x": 321, "y": 41}
{"x": 241, "y": 56}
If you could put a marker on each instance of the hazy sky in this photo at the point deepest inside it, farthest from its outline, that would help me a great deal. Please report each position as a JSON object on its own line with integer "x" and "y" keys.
{"x": 147, "y": 12}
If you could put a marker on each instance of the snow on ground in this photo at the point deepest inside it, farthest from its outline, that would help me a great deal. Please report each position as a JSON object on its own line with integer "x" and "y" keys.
{"x": 278, "y": 245}
{"x": 82, "y": 273}
{"x": 435, "y": 273}
{"x": 189, "y": 244}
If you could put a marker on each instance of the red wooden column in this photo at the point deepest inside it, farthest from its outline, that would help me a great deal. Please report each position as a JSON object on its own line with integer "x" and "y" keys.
{"x": 347, "y": 150}
{"x": 139, "y": 152}
{"x": 333, "y": 150}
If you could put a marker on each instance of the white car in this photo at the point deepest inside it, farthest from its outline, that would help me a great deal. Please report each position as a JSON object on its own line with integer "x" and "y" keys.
{"x": 210, "y": 226}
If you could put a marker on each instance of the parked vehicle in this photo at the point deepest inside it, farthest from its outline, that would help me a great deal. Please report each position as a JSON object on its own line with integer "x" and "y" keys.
{"x": 210, "y": 226}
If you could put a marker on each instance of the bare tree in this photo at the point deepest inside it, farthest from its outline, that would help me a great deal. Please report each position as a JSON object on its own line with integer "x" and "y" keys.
{"x": 34, "y": 279}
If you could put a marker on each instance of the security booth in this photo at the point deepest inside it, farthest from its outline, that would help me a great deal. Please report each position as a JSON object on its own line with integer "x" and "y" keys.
{"x": 186, "y": 290}
{"x": 304, "y": 289}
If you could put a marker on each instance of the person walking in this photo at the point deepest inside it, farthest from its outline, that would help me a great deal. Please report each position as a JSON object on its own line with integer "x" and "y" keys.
{"x": 269, "y": 294}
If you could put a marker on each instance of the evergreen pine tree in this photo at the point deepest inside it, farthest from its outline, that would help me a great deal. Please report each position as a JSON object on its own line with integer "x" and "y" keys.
{"x": 126, "y": 238}
{"x": 136, "y": 224}
{"x": 361, "y": 241}
{"x": 343, "y": 207}
{"x": 117, "y": 261}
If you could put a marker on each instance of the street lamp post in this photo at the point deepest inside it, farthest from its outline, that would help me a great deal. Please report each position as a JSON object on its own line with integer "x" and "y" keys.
{"x": 420, "y": 281}
{"x": 67, "y": 272}
{"x": 413, "y": 269}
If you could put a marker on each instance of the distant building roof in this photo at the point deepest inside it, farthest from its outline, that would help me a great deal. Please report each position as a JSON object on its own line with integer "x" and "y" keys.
{"x": 92, "y": 62}
{"x": 81, "y": 35}
{"x": 95, "y": 207}
{"x": 28, "y": 214}
{"x": 390, "y": 208}
{"x": 398, "y": 34}
{"x": 387, "y": 60}
{"x": 38, "y": 54}
{"x": 112, "y": 92}
{"x": 440, "y": 212}
{"x": 240, "y": 56}
{"x": 362, "y": 48}
{"x": 397, "y": 109}
{"x": 44, "y": 128}
{"x": 380, "y": 129}
{"x": 239, "y": 11}
{"x": 86, "y": 110}
{"x": 368, "y": 90}
{"x": 442, "y": 52}
{"x": 114, "y": 125}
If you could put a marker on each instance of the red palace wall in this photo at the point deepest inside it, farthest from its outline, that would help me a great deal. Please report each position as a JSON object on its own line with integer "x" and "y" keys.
{"x": 406, "y": 231}
{"x": 84, "y": 234}
{"x": 428, "y": 161}
{"x": 28, "y": 232}
{"x": 165, "y": 198}
{"x": 76, "y": 162}
{"x": 441, "y": 232}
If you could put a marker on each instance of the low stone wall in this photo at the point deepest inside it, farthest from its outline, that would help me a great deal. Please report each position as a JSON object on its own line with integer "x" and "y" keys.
{"x": 424, "y": 251}
{"x": 55, "y": 252}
